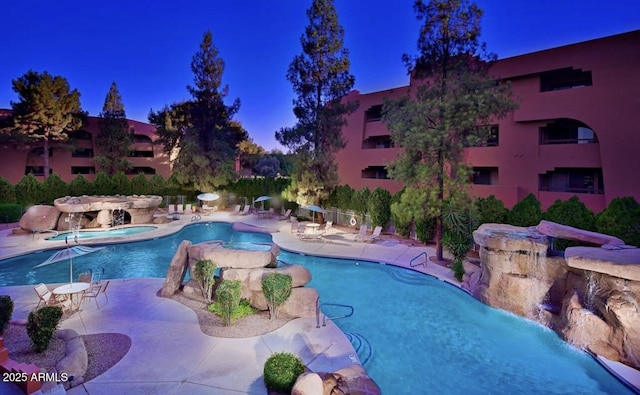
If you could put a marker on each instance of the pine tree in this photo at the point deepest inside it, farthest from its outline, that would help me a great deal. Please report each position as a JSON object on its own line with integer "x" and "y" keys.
{"x": 202, "y": 129}
{"x": 320, "y": 78}
{"x": 115, "y": 136}
{"x": 452, "y": 104}
{"x": 46, "y": 111}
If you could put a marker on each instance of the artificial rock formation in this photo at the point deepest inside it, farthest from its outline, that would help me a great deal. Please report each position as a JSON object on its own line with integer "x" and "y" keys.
{"x": 589, "y": 296}
{"x": 247, "y": 266}
{"x": 101, "y": 208}
{"x": 40, "y": 217}
{"x": 352, "y": 379}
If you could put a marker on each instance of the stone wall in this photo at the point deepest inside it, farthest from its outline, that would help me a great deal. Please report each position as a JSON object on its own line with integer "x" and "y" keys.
{"x": 590, "y": 296}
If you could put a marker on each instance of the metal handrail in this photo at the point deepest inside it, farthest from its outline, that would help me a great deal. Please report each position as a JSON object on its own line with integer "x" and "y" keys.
{"x": 196, "y": 218}
{"x": 424, "y": 264}
{"x": 324, "y": 317}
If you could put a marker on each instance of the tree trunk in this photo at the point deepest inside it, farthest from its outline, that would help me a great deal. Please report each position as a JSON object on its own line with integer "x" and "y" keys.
{"x": 45, "y": 157}
{"x": 439, "y": 250}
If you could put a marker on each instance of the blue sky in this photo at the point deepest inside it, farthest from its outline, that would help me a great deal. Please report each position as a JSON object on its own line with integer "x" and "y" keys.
{"x": 146, "y": 46}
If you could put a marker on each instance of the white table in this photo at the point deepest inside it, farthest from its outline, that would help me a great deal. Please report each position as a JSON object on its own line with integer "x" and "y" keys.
{"x": 68, "y": 290}
{"x": 313, "y": 227}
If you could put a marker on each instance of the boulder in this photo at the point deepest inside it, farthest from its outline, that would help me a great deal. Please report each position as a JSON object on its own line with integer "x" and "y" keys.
{"x": 308, "y": 384}
{"x": 565, "y": 232}
{"x": 500, "y": 237}
{"x": 352, "y": 379}
{"x": 104, "y": 218}
{"x": 622, "y": 263}
{"x": 228, "y": 257}
{"x": 301, "y": 303}
{"x": 40, "y": 217}
{"x": 177, "y": 270}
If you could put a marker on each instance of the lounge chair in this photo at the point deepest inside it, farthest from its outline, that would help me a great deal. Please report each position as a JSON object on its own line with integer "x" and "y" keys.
{"x": 362, "y": 233}
{"x": 286, "y": 215}
{"x": 294, "y": 226}
{"x": 48, "y": 299}
{"x": 327, "y": 226}
{"x": 245, "y": 210}
{"x": 180, "y": 209}
{"x": 236, "y": 210}
{"x": 374, "y": 236}
{"x": 172, "y": 209}
{"x": 187, "y": 209}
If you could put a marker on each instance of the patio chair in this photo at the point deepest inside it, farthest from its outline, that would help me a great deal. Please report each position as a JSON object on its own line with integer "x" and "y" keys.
{"x": 187, "y": 209}
{"x": 171, "y": 209}
{"x": 294, "y": 226}
{"x": 180, "y": 209}
{"x": 327, "y": 226}
{"x": 236, "y": 210}
{"x": 95, "y": 291}
{"x": 362, "y": 233}
{"x": 86, "y": 277}
{"x": 48, "y": 299}
{"x": 374, "y": 236}
{"x": 99, "y": 275}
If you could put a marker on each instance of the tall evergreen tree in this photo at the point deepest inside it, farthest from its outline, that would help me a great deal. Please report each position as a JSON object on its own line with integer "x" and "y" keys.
{"x": 46, "y": 111}
{"x": 202, "y": 130}
{"x": 115, "y": 136}
{"x": 320, "y": 78}
{"x": 452, "y": 104}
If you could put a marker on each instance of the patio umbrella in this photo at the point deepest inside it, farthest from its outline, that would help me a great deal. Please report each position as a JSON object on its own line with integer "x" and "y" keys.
{"x": 262, "y": 199}
{"x": 314, "y": 209}
{"x": 69, "y": 253}
{"x": 208, "y": 196}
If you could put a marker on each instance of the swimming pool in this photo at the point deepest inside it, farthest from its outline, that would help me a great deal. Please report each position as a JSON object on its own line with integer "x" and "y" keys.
{"x": 92, "y": 234}
{"x": 425, "y": 336}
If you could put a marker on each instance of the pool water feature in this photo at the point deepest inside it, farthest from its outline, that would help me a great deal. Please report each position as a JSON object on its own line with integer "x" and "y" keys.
{"x": 414, "y": 333}
{"x": 94, "y": 234}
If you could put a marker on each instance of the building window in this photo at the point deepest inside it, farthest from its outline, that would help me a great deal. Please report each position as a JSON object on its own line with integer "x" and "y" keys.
{"x": 377, "y": 142}
{"x": 36, "y": 170}
{"x": 80, "y": 135}
{"x": 141, "y": 138}
{"x": 374, "y": 113}
{"x": 567, "y": 78}
{"x": 377, "y": 172}
{"x": 140, "y": 154}
{"x": 485, "y": 176}
{"x": 567, "y": 131}
{"x": 83, "y": 170}
{"x": 485, "y": 138}
{"x": 39, "y": 152}
{"x": 141, "y": 169}
{"x": 82, "y": 153}
{"x": 573, "y": 180}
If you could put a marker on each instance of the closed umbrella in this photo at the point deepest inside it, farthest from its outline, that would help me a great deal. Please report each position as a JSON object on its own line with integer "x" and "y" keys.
{"x": 314, "y": 209}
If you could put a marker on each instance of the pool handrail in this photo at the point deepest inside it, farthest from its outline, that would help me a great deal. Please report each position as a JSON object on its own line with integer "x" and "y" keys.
{"x": 324, "y": 317}
{"x": 424, "y": 264}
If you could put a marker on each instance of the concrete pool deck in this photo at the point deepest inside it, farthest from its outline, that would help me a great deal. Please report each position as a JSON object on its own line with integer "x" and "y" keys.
{"x": 169, "y": 352}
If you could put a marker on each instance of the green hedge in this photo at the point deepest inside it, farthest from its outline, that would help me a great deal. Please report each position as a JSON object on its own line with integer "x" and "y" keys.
{"x": 7, "y": 191}
{"x": 621, "y": 218}
{"x": 526, "y": 212}
{"x": 281, "y": 371}
{"x": 10, "y": 212}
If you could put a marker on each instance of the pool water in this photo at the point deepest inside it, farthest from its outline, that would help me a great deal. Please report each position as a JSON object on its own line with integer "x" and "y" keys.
{"x": 415, "y": 334}
{"x": 92, "y": 234}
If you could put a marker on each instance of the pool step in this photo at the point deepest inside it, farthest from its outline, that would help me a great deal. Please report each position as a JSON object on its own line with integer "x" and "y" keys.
{"x": 362, "y": 346}
{"x": 408, "y": 276}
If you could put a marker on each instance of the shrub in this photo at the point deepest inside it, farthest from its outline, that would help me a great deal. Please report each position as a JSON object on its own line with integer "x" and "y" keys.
{"x": 379, "y": 207}
{"x": 277, "y": 289}
{"x": 54, "y": 187}
{"x": 244, "y": 309}
{"x": 121, "y": 184}
{"x": 7, "y": 191}
{"x": 343, "y": 196}
{"x": 458, "y": 222}
{"x": 102, "y": 184}
{"x": 426, "y": 229}
{"x": 359, "y": 201}
{"x": 491, "y": 211}
{"x": 203, "y": 273}
{"x": 29, "y": 191}
{"x": 10, "y": 212}
{"x": 80, "y": 186}
{"x": 526, "y": 212}
{"x": 158, "y": 185}
{"x": 621, "y": 218}
{"x": 140, "y": 185}
{"x": 228, "y": 298}
{"x": 570, "y": 212}
{"x": 41, "y": 326}
{"x": 6, "y": 309}
{"x": 282, "y": 370}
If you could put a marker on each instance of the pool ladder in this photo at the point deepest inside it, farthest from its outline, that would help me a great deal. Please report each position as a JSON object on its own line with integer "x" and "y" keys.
{"x": 324, "y": 317}
{"x": 424, "y": 264}
{"x": 195, "y": 218}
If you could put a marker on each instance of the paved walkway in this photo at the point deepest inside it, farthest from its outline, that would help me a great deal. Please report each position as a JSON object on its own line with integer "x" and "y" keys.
{"x": 169, "y": 353}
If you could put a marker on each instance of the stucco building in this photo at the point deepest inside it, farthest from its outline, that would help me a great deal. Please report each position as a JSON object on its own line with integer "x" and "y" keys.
{"x": 576, "y": 130}
{"x": 145, "y": 156}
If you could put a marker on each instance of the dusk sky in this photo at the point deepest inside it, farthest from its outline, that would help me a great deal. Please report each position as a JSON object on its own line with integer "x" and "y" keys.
{"x": 146, "y": 46}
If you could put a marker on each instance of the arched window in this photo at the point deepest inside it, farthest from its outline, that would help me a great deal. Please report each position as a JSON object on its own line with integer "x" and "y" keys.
{"x": 141, "y": 138}
{"x": 567, "y": 131}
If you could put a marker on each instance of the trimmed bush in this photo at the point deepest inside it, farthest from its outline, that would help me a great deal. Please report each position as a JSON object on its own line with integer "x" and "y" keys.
{"x": 359, "y": 201}
{"x": 426, "y": 229}
{"x": 526, "y": 212}
{"x": 203, "y": 273}
{"x": 228, "y": 298}
{"x": 7, "y": 191}
{"x": 6, "y": 309}
{"x": 281, "y": 371}
{"x": 80, "y": 186}
{"x": 29, "y": 191}
{"x": 244, "y": 309}
{"x": 102, "y": 184}
{"x": 140, "y": 185}
{"x": 158, "y": 185}
{"x": 621, "y": 218}
{"x": 41, "y": 326}
{"x": 570, "y": 212}
{"x": 379, "y": 207}
{"x": 121, "y": 184}
{"x": 10, "y": 212}
{"x": 491, "y": 211}
{"x": 54, "y": 187}
{"x": 277, "y": 289}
